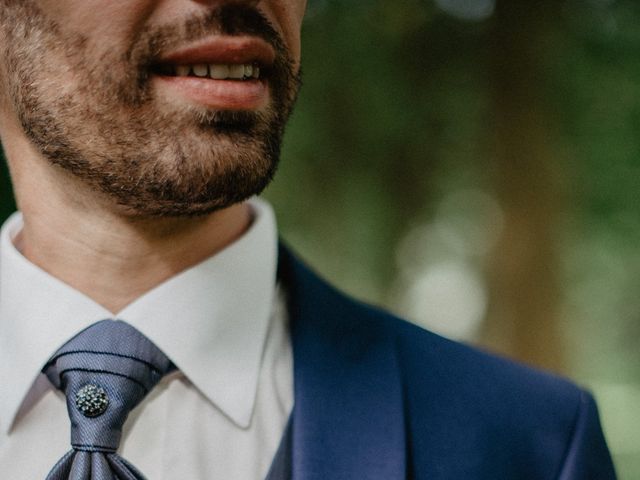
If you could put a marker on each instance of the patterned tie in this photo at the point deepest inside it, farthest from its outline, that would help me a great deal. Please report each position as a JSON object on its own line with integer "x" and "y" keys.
{"x": 105, "y": 371}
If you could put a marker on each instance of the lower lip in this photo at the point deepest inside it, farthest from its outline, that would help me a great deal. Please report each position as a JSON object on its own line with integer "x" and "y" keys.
{"x": 217, "y": 94}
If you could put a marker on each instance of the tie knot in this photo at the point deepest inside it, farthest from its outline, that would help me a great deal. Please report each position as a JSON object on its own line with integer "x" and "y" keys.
{"x": 105, "y": 371}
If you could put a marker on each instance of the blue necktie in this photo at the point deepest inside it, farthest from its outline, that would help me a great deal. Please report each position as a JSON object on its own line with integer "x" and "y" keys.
{"x": 105, "y": 371}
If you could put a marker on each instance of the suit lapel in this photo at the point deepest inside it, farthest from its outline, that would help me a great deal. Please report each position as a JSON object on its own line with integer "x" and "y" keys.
{"x": 348, "y": 419}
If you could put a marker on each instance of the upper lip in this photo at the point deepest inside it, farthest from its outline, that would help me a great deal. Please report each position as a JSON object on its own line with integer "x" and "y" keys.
{"x": 223, "y": 50}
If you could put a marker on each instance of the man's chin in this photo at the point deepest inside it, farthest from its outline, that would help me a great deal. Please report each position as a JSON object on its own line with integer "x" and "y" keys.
{"x": 190, "y": 192}
{"x": 170, "y": 210}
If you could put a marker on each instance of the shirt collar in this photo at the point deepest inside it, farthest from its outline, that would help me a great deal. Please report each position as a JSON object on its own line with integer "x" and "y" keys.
{"x": 211, "y": 319}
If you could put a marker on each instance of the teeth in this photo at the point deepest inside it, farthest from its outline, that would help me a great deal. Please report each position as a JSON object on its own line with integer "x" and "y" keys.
{"x": 183, "y": 70}
{"x": 219, "y": 71}
{"x": 236, "y": 71}
{"x": 201, "y": 70}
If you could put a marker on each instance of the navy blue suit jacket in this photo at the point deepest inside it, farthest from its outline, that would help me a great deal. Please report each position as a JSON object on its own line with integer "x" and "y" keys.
{"x": 377, "y": 398}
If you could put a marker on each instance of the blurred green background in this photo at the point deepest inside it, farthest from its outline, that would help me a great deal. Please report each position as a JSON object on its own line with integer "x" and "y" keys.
{"x": 474, "y": 165}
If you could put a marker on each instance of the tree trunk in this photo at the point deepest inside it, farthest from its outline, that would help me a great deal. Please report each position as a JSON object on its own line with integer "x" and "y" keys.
{"x": 523, "y": 271}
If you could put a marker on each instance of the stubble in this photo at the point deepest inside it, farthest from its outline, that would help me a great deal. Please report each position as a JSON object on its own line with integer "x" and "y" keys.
{"x": 96, "y": 115}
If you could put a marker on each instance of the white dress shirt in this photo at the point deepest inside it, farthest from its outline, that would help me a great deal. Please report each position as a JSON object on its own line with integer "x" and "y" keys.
{"x": 223, "y": 323}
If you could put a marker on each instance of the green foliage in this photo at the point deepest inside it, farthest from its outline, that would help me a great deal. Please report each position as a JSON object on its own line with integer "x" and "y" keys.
{"x": 385, "y": 106}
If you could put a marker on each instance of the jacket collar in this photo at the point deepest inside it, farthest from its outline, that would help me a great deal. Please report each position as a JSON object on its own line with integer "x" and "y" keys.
{"x": 348, "y": 419}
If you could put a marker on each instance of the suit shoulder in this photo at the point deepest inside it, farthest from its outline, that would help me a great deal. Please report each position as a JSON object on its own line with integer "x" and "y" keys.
{"x": 475, "y": 376}
{"x": 424, "y": 355}
{"x": 460, "y": 399}
{"x": 467, "y": 413}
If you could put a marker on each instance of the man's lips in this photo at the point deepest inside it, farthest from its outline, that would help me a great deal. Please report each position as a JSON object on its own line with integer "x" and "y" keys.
{"x": 223, "y": 50}
{"x": 220, "y": 72}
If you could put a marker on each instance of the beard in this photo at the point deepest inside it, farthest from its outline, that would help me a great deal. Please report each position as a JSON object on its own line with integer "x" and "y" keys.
{"x": 95, "y": 115}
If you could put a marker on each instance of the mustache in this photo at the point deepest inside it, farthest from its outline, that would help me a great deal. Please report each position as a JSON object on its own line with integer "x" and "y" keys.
{"x": 231, "y": 19}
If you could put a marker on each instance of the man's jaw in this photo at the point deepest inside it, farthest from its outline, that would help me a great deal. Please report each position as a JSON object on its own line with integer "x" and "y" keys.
{"x": 219, "y": 72}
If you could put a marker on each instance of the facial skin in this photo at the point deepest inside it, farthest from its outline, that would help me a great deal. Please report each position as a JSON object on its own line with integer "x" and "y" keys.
{"x": 81, "y": 77}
